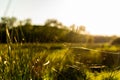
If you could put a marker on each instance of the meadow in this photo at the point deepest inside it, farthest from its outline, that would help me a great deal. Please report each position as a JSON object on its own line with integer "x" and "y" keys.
{"x": 54, "y": 51}
{"x": 58, "y": 61}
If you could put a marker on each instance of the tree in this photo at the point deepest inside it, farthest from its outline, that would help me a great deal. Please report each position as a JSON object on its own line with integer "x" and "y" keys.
{"x": 53, "y": 23}
{"x": 28, "y": 25}
{"x": 7, "y": 23}
{"x": 72, "y": 27}
{"x": 10, "y": 21}
{"x": 81, "y": 29}
{"x": 28, "y": 21}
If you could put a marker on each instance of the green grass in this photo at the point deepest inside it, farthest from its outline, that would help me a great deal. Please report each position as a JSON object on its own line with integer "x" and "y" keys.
{"x": 50, "y": 62}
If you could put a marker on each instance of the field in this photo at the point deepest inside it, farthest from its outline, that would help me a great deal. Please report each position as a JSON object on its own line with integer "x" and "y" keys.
{"x": 59, "y": 61}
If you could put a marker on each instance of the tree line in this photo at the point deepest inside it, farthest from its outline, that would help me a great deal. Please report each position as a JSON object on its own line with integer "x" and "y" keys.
{"x": 51, "y": 31}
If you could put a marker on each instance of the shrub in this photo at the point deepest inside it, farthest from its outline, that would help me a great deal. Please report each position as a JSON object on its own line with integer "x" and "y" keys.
{"x": 116, "y": 41}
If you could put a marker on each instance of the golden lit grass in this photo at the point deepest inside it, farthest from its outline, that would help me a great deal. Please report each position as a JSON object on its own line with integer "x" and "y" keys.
{"x": 104, "y": 75}
{"x": 31, "y": 62}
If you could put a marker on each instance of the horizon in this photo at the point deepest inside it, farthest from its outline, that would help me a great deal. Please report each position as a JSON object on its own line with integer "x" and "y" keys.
{"x": 99, "y": 17}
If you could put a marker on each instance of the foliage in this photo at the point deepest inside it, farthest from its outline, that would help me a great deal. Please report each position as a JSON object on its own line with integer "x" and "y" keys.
{"x": 51, "y": 31}
{"x": 50, "y": 62}
{"x": 24, "y": 62}
{"x": 116, "y": 41}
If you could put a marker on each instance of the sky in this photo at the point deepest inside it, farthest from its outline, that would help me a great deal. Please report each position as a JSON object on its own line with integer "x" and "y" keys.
{"x": 100, "y": 17}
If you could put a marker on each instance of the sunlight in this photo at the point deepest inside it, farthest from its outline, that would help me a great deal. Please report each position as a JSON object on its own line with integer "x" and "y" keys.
{"x": 97, "y": 19}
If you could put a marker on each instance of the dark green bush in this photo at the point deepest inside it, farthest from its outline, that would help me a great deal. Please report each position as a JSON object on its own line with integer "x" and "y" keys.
{"x": 116, "y": 41}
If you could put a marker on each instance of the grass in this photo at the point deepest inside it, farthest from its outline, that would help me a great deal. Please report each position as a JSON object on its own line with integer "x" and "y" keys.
{"x": 105, "y": 75}
{"x": 50, "y": 62}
